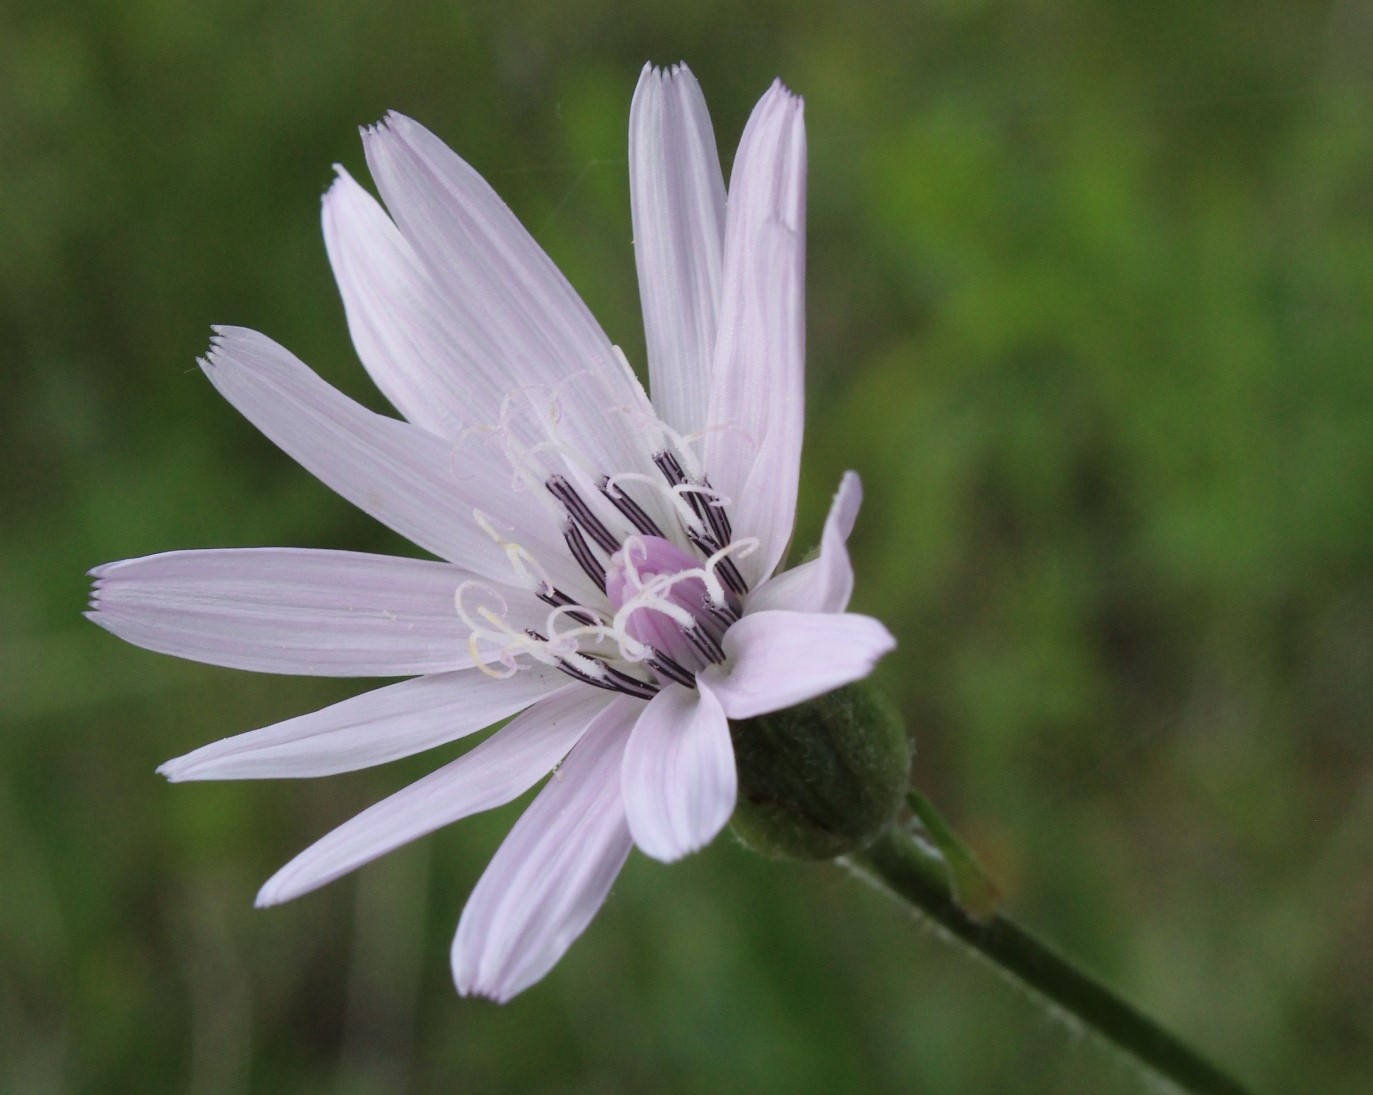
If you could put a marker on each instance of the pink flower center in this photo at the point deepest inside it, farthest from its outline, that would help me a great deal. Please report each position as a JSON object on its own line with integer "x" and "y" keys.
{"x": 666, "y": 610}
{"x": 659, "y": 597}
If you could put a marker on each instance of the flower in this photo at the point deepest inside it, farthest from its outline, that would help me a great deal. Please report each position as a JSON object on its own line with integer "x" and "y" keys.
{"x": 607, "y": 572}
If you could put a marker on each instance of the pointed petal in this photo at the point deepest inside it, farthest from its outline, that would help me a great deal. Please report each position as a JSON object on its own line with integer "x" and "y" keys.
{"x": 498, "y": 770}
{"x": 780, "y": 659}
{"x": 757, "y": 397}
{"x": 553, "y": 871}
{"x": 679, "y": 779}
{"x": 395, "y": 314}
{"x": 425, "y": 488}
{"x": 373, "y": 728}
{"x": 527, "y": 332}
{"x": 285, "y": 610}
{"x": 677, "y": 199}
{"x": 825, "y": 583}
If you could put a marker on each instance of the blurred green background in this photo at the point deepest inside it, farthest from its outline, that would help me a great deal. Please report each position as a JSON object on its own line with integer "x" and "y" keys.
{"x": 1090, "y": 292}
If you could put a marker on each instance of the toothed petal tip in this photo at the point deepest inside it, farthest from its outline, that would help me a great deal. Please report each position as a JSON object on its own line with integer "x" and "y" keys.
{"x": 337, "y": 184}
{"x": 664, "y": 72}
{"x": 101, "y": 577}
{"x": 778, "y": 87}
{"x": 220, "y": 335}
{"x": 467, "y": 984}
{"x": 394, "y": 121}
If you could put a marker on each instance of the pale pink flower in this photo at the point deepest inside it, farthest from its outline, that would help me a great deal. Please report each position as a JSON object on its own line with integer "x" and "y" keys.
{"x": 608, "y": 565}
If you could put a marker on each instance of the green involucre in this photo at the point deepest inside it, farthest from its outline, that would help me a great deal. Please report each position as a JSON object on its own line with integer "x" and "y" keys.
{"x": 820, "y": 779}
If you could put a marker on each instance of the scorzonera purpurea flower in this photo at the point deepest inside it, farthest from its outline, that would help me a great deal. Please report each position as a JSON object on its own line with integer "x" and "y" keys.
{"x": 605, "y": 566}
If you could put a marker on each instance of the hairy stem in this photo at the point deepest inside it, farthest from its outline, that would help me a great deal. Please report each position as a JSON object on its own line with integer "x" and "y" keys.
{"x": 917, "y": 872}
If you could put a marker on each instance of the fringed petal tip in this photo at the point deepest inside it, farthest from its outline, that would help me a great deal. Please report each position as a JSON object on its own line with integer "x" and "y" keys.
{"x": 366, "y": 132}
{"x": 103, "y": 577}
{"x": 102, "y": 599}
{"x": 393, "y": 121}
{"x": 492, "y": 991}
{"x": 228, "y": 339}
{"x": 97, "y": 599}
{"x": 465, "y": 980}
{"x": 674, "y": 71}
{"x": 341, "y": 179}
{"x": 778, "y": 89}
{"x": 94, "y": 598}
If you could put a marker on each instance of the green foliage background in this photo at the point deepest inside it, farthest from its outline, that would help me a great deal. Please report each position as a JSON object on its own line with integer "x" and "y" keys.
{"x": 1090, "y": 293}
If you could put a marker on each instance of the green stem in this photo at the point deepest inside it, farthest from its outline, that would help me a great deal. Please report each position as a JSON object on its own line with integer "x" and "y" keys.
{"x": 919, "y": 874}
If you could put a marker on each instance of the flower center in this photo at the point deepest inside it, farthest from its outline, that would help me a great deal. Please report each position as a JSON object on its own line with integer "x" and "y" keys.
{"x": 660, "y": 612}
{"x": 658, "y": 594}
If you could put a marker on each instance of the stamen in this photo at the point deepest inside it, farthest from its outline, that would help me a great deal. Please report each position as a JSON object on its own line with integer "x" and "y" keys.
{"x": 691, "y": 524}
{"x": 715, "y": 513}
{"x": 594, "y": 671}
{"x": 590, "y": 628}
{"x": 721, "y": 614}
{"x": 602, "y": 681}
{"x": 581, "y": 551}
{"x": 580, "y": 512}
{"x": 709, "y": 508}
{"x": 670, "y": 467}
{"x": 630, "y": 508}
{"x": 684, "y": 446}
{"x": 661, "y": 663}
{"x": 623, "y": 682}
{"x": 558, "y": 599}
{"x": 672, "y": 471}
{"x": 729, "y": 574}
{"x": 708, "y": 645}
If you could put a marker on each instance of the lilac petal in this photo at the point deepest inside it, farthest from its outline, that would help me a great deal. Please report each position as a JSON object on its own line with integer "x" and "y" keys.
{"x": 498, "y": 770}
{"x": 425, "y": 488}
{"x": 677, "y": 199}
{"x": 780, "y": 659}
{"x": 286, "y": 610}
{"x": 553, "y": 871}
{"x": 394, "y": 311}
{"x": 679, "y": 779}
{"x": 526, "y": 331}
{"x": 378, "y": 726}
{"x": 825, "y": 583}
{"x": 757, "y": 397}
